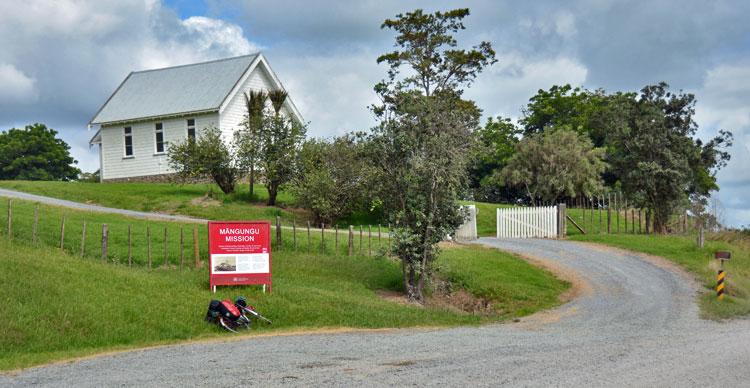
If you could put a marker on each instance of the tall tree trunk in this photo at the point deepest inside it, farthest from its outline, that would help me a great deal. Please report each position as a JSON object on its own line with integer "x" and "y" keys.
{"x": 272, "y": 191}
{"x": 661, "y": 218}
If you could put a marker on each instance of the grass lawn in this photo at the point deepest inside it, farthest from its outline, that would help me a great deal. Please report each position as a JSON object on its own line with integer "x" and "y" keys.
{"x": 486, "y": 217}
{"x": 58, "y": 305}
{"x": 187, "y": 199}
{"x": 699, "y": 261}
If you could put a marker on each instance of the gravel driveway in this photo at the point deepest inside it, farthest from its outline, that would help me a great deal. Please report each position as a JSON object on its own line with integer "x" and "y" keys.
{"x": 635, "y": 323}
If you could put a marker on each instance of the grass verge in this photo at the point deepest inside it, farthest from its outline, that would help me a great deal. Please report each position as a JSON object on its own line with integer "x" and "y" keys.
{"x": 58, "y": 305}
{"x": 684, "y": 251}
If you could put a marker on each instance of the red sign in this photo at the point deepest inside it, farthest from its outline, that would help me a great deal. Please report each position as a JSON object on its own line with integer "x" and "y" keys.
{"x": 239, "y": 253}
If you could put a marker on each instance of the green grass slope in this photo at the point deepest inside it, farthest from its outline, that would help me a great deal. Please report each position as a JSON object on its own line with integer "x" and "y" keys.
{"x": 56, "y": 306}
{"x": 184, "y": 199}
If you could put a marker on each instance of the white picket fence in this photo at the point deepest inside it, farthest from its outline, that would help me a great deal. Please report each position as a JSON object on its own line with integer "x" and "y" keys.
{"x": 527, "y": 222}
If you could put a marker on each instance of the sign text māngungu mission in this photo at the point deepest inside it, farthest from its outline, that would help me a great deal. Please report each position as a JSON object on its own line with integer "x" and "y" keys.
{"x": 239, "y": 234}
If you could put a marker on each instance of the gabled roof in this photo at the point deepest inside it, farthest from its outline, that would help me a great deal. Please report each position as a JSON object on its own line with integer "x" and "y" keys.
{"x": 186, "y": 89}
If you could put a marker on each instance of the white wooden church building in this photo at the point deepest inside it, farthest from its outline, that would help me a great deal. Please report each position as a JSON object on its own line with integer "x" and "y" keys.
{"x": 153, "y": 108}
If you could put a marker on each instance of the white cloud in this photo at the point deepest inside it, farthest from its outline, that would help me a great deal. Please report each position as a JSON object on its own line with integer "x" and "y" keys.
{"x": 61, "y": 59}
{"x": 15, "y": 86}
{"x": 507, "y": 86}
{"x": 722, "y": 104}
{"x": 333, "y": 92}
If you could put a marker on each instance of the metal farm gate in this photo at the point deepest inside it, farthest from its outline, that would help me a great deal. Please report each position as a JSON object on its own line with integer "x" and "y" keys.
{"x": 528, "y": 222}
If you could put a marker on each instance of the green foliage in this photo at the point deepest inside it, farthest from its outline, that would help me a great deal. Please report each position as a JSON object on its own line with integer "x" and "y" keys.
{"x": 493, "y": 146}
{"x": 555, "y": 164}
{"x": 207, "y": 156}
{"x": 35, "y": 153}
{"x": 420, "y": 149}
{"x": 333, "y": 181}
{"x": 247, "y": 140}
{"x": 270, "y": 142}
{"x": 655, "y": 156}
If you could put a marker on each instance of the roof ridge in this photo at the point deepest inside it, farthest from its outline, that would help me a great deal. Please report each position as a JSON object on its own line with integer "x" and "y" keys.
{"x": 198, "y": 63}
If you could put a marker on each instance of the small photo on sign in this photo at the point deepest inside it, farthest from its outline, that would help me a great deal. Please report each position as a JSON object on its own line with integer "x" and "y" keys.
{"x": 225, "y": 264}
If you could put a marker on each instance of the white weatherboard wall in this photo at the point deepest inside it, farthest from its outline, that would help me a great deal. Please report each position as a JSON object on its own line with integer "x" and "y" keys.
{"x": 145, "y": 160}
{"x": 527, "y": 222}
{"x": 232, "y": 115}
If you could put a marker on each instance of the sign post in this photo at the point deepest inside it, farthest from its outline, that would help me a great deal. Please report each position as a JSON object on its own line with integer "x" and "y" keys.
{"x": 720, "y": 284}
{"x": 239, "y": 253}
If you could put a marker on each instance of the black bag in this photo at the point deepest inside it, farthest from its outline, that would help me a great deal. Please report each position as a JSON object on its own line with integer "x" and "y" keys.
{"x": 213, "y": 311}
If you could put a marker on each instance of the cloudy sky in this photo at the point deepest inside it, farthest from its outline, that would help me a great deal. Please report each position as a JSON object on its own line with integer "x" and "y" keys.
{"x": 61, "y": 59}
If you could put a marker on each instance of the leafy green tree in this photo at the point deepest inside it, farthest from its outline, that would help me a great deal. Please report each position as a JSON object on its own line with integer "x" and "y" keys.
{"x": 35, "y": 153}
{"x": 653, "y": 152}
{"x": 247, "y": 140}
{"x": 280, "y": 140}
{"x": 584, "y": 111}
{"x": 493, "y": 146}
{"x": 208, "y": 156}
{"x": 333, "y": 181}
{"x": 555, "y": 164}
{"x": 420, "y": 149}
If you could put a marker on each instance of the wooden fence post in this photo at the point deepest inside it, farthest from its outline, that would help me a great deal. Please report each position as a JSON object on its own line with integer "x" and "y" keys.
{"x": 148, "y": 243}
{"x": 294, "y": 233}
{"x": 10, "y": 219}
{"x": 83, "y": 239}
{"x": 322, "y": 238}
{"x": 390, "y": 237}
{"x": 599, "y": 205}
{"x": 308, "y": 237}
{"x": 196, "y": 247}
{"x": 351, "y": 240}
{"x": 617, "y": 207}
{"x": 166, "y": 251}
{"x": 62, "y": 232}
{"x": 640, "y": 224}
{"x": 36, "y": 224}
{"x": 378, "y": 236}
{"x": 562, "y": 221}
{"x": 609, "y": 219}
{"x": 278, "y": 233}
{"x": 632, "y": 221}
{"x": 105, "y": 241}
{"x": 130, "y": 247}
{"x": 182, "y": 248}
{"x": 369, "y": 240}
{"x": 360, "y": 239}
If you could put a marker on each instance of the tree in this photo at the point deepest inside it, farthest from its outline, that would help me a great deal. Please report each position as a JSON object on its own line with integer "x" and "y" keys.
{"x": 553, "y": 164}
{"x": 333, "y": 180}
{"x": 247, "y": 140}
{"x": 583, "y": 111}
{"x": 280, "y": 141}
{"x": 35, "y": 153}
{"x": 420, "y": 147}
{"x": 655, "y": 156}
{"x": 493, "y": 146}
{"x": 207, "y": 156}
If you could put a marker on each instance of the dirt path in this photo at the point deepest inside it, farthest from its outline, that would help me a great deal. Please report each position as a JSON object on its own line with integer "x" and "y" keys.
{"x": 635, "y": 324}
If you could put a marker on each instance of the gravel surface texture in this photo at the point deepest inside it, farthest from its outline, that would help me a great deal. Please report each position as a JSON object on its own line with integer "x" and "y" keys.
{"x": 633, "y": 323}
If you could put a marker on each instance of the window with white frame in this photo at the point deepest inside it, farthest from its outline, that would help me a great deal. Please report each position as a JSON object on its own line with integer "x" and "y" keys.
{"x": 128, "y": 134}
{"x": 191, "y": 128}
{"x": 159, "y": 138}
